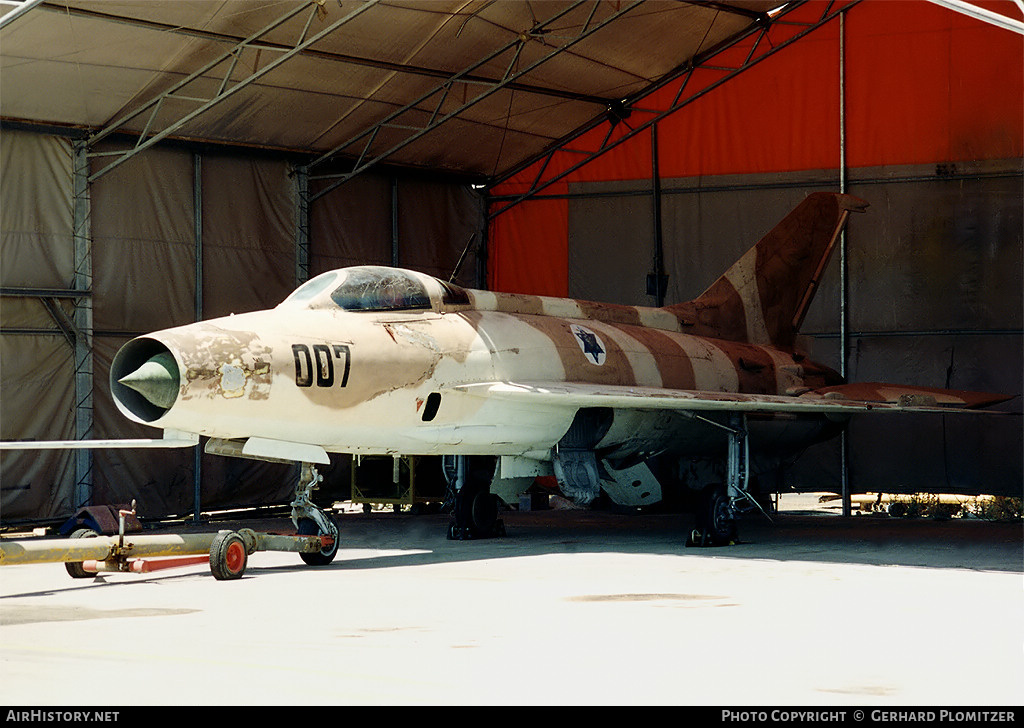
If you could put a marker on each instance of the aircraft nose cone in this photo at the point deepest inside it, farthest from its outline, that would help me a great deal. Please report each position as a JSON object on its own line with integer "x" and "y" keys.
{"x": 156, "y": 380}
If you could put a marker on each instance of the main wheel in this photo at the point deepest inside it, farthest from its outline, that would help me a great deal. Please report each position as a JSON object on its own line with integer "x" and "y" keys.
{"x": 714, "y": 516}
{"x": 74, "y": 568}
{"x": 228, "y": 556}
{"x": 309, "y": 527}
{"x": 477, "y": 509}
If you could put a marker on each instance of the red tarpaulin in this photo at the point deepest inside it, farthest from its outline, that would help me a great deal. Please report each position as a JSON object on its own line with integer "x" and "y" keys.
{"x": 923, "y": 85}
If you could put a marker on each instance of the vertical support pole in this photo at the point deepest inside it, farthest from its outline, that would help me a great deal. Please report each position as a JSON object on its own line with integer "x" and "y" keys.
{"x": 659, "y": 248}
{"x": 82, "y": 233}
{"x": 301, "y": 176}
{"x": 483, "y": 249}
{"x": 480, "y": 277}
{"x": 844, "y": 344}
{"x": 197, "y": 207}
{"x": 394, "y": 222}
{"x": 302, "y": 203}
{"x": 197, "y": 215}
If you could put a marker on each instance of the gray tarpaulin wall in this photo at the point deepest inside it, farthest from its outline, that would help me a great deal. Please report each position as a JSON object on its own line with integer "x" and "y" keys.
{"x": 934, "y": 299}
{"x": 156, "y": 223}
{"x": 36, "y": 371}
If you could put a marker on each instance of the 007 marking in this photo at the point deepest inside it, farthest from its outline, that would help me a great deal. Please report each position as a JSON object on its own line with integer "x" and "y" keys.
{"x": 318, "y": 365}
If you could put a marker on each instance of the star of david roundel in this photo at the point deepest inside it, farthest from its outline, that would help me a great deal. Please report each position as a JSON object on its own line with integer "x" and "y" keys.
{"x": 591, "y": 344}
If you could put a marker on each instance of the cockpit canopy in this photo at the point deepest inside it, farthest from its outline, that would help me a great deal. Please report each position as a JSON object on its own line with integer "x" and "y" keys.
{"x": 371, "y": 288}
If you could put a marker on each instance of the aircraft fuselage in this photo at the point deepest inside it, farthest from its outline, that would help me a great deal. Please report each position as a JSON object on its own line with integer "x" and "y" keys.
{"x": 384, "y": 382}
{"x": 382, "y": 361}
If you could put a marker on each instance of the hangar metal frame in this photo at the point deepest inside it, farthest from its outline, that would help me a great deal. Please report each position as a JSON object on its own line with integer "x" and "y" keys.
{"x": 83, "y": 323}
{"x": 986, "y": 16}
{"x": 683, "y": 75}
{"x": 264, "y": 44}
{"x": 225, "y": 90}
{"x": 226, "y": 62}
{"x": 615, "y": 110}
{"x": 443, "y": 90}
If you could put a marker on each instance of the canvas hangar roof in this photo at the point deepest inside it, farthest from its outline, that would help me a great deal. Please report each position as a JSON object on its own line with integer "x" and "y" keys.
{"x": 474, "y": 87}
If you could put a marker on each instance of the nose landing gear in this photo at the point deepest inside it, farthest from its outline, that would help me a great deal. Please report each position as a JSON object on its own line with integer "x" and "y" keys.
{"x": 311, "y": 520}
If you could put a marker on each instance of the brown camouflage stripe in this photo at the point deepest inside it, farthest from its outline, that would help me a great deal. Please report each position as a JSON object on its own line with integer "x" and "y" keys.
{"x": 673, "y": 362}
{"x": 616, "y": 368}
{"x": 736, "y": 336}
{"x": 641, "y": 356}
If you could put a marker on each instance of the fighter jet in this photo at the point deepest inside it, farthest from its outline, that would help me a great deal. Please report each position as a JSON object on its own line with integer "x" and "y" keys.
{"x": 705, "y": 395}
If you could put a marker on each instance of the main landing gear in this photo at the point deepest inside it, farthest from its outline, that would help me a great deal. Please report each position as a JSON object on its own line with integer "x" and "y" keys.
{"x": 475, "y": 511}
{"x": 718, "y": 505}
{"x": 715, "y": 518}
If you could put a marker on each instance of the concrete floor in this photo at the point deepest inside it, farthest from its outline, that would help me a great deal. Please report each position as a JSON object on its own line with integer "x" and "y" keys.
{"x": 570, "y": 608}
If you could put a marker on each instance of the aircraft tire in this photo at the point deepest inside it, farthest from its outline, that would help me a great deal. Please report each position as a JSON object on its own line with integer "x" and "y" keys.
{"x": 477, "y": 509}
{"x": 74, "y": 568}
{"x": 228, "y": 556}
{"x": 713, "y": 516}
{"x": 309, "y": 527}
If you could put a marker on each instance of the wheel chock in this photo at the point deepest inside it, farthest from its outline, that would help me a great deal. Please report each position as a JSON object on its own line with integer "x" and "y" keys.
{"x": 703, "y": 539}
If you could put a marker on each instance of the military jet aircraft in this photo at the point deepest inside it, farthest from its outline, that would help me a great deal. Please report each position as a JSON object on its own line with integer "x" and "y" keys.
{"x": 706, "y": 395}
{"x": 371, "y": 360}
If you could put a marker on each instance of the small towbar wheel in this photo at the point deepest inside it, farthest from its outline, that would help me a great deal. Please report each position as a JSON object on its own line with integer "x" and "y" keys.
{"x": 228, "y": 556}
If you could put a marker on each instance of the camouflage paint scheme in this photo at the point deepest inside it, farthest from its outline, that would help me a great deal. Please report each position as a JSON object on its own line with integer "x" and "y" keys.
{"x": 443, "y": 370}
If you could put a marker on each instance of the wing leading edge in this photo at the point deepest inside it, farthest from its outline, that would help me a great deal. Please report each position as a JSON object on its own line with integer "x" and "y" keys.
{"x": 171, "y": 439}
{"x": 838, "y": 400}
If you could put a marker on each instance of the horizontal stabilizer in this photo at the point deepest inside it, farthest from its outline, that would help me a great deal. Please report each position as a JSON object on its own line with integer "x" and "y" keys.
{"x": 902, "y": 394}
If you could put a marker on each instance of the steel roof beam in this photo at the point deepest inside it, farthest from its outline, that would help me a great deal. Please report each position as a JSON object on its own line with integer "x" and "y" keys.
{"x": 147, "y": 140}
{"x": 986, "y": 16}
{"x": 365, "y": 139}
{"x": 685, "y": 70}
{"x": 726, "y": 8}
{"x": 680, "y": 99}
{"x": 21, "y": 9}
{"x": 310, "y": 53}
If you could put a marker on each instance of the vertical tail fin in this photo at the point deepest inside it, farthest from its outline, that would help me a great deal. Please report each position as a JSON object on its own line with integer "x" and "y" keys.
{"x": 764, "y": 296}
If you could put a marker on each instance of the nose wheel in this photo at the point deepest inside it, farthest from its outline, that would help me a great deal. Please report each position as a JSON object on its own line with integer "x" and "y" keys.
{"x": 309, "y": 527}
{"x": 312, "y": 521}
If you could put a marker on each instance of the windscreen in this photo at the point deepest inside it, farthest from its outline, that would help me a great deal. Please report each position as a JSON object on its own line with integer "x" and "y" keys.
{"x": 313, "y": 288}
{"x": 379, "y": 289}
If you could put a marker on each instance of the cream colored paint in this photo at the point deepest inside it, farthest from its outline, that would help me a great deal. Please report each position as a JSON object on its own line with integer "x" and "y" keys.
{"x": 743, "y": 277}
